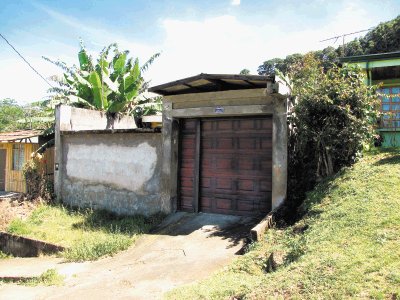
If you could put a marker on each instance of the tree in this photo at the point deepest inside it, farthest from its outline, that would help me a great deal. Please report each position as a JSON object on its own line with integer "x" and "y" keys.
{"x": 268, "y": 67}
{"x": 38, "y": 115}
{"x": 111, "y": 84}
{"x": 333, "y": 118}
{"x": 245, "y": 72}
{"x": 383, "y": 38}
{"x": 35, "y": 115}
{"x": 10, "y": 112}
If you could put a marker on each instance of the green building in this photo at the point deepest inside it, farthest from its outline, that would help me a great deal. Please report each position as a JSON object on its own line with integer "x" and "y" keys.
{"x": 384, "y": 68}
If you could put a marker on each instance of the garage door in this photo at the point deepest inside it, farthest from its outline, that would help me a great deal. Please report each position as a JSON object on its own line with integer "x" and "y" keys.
{"x": 226, "y": 165}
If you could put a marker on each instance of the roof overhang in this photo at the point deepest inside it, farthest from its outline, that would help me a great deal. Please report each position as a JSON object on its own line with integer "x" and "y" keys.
{"x": 370, "y": 61}
{"x": 203, "y": 83}
{"x": 20, "y": 136}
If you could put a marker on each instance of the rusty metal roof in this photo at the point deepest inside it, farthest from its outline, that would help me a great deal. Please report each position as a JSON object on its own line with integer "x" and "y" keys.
{"x": 212, "y": 83}
{"x": 18, "y": 135}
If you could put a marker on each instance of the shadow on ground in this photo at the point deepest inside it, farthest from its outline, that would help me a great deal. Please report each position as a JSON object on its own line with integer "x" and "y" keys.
{"x": 234, "y": 229}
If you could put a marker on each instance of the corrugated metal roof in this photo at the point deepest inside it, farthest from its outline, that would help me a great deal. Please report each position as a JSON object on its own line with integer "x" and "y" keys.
{"x": 211, "y": 83}
{"x": 18, "y": 135}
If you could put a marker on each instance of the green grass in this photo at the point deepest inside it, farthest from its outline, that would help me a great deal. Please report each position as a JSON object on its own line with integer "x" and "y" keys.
{"x": 346, "y": 246}
{"x": 87, "y": 234}
{"x": 4, "y": 255}
{"x": 47, "y": 278}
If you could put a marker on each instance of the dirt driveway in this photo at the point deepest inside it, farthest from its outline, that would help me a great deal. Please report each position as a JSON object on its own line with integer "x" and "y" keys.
{"x": 188, "y": 247}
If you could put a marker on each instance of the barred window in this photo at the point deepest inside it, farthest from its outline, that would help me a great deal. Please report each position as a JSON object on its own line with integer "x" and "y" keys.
{"x": 390, "y": 106}
{"x": 18, "y": 156}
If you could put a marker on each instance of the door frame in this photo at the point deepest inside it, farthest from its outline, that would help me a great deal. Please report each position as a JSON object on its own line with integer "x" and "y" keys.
{"x": 198, "y": 156}
{"x": 274, "y": 104}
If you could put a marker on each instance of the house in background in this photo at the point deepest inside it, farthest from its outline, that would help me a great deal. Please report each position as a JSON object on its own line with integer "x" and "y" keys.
{"x": 384, "y": 68}
{"x": 16, "y": 149}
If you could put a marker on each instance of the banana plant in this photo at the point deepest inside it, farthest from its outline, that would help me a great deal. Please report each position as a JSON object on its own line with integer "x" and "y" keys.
{"x": 111, "y": 84}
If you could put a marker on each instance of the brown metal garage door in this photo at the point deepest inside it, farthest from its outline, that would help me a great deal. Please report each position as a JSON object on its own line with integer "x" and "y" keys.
{"x": 226, "y": 165}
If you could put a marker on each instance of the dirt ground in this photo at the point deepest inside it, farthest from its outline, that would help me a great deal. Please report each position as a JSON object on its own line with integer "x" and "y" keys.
{"x": 14, "y": 206}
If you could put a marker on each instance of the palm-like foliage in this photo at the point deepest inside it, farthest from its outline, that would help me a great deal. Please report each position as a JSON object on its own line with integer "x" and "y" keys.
{"x": 111, "y": 84}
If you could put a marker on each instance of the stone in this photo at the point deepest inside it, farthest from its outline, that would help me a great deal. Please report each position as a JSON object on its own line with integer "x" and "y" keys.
{"x": 275, "y": 260}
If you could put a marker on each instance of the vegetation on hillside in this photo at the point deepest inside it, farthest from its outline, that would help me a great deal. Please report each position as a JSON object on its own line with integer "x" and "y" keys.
{"x": 87, "y": 234}
{"x": 383, "y": 38}
{"x": 346, "y": 246}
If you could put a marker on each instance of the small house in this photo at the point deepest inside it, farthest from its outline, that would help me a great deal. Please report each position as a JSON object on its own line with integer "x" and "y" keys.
{"x": 16, "y": 149}
{"x": 384, "y": 69}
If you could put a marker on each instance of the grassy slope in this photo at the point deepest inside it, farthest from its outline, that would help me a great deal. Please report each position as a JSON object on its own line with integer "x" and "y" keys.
{"x": 350, "y": 247}
{"x": 88, "y": 234}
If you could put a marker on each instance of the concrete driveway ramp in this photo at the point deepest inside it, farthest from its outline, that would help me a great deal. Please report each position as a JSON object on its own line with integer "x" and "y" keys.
{"x": 184, "y": 248}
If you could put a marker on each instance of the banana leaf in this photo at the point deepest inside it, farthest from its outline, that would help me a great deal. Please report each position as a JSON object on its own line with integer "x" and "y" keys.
{"x": 116, "y": 106}
{"x": 104, "y": 65}
{"x": 119, "y": 63}
{"x": 98, "y": 100}
{"x": 84, "y": 60}
{"x": 76, "y": 99}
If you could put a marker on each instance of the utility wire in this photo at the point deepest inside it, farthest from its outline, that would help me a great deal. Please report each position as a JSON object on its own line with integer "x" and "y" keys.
{"x": 346, "y": 34}
{"x": 20, "y": 55}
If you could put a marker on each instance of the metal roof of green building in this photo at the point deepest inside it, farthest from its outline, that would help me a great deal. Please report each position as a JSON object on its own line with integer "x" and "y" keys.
{"x": 371, "y": 57}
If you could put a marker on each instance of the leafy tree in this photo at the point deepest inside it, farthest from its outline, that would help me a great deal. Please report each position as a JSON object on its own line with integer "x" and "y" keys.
{"x": 112, "y": 83}
{"x": 268, "y": 67}
{"x": 10, "y": 112}
{"x": 328, "y": 57}
{"x": 38, "y": 115}
{"x": 333, "y": 118}
{"x": 245, "y": 72}
{"x": 35, "y": 115}
{"x": 383, "y": 38}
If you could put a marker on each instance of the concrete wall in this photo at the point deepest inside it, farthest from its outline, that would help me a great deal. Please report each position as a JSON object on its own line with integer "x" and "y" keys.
{"x": 119, "y": 172}
{"x": 107, "y": 164}
{"x": 77, "y": 119}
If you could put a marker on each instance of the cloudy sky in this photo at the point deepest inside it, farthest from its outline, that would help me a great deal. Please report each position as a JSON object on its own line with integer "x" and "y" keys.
{"x": 209, "y": 36}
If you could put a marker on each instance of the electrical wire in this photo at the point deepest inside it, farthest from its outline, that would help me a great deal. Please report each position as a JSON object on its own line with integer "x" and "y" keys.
{"x": 20, "y": 55}
{"x": 346, "y": 34}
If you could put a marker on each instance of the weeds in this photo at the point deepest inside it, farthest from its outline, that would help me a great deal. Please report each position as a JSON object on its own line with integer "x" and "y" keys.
{"x": 47, "y": 278}
{"x": 4, "y": 255}
{"x": 87, "y": 234}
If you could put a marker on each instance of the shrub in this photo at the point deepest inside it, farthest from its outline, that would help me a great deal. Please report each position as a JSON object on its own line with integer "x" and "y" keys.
{"x": 333, "y": 117}
{"x": 37, "y": 185}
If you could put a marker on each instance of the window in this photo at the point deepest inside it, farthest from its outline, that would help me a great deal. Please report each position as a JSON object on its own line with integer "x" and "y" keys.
{"x": 390, "y": 106}
{"x": 18, "y": 156}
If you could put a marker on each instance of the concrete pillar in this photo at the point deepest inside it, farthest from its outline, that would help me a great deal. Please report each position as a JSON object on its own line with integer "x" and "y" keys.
{"x": 58, "y": 151}
{"x": 169, "y": 170}
{"x": 279, "y": 153}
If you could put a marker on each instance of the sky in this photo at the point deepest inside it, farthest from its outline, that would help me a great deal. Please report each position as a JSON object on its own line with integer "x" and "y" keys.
{"x": 207, "y": 36}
